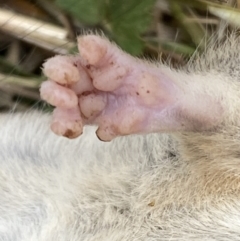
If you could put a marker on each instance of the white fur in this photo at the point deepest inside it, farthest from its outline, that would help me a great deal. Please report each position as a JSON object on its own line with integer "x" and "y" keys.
{"x": 134, "y": 188}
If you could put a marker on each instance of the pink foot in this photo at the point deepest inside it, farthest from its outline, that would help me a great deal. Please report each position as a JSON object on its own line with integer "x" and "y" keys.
{"x": 108, "y": 88}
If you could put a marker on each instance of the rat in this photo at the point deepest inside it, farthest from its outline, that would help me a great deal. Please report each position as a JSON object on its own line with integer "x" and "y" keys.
{"x": 152, "y": 152}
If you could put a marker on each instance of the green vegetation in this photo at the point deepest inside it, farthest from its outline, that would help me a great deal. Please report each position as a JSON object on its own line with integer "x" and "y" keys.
{"x": 33, "y": 30}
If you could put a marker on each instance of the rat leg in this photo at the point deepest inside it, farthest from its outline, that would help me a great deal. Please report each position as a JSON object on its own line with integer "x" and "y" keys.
{"x": 123, "y": 95}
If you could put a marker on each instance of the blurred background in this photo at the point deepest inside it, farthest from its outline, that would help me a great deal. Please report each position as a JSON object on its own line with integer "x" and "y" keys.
{"x": 33, "y": 30}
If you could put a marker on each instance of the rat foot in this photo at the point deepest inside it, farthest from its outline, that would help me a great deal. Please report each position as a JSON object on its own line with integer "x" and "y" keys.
{"x": 120, "y": 94}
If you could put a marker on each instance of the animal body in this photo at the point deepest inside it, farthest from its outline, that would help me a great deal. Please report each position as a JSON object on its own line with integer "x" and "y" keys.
{"x": 177, "y": 177}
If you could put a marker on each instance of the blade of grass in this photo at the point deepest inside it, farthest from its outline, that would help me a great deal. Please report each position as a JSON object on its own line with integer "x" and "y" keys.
{"x": 23, "y": 82}
{"x": 34, "y": 31}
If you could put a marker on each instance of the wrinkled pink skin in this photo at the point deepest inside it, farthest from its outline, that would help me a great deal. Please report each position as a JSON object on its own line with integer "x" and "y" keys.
{"x": 120, "y": 94}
